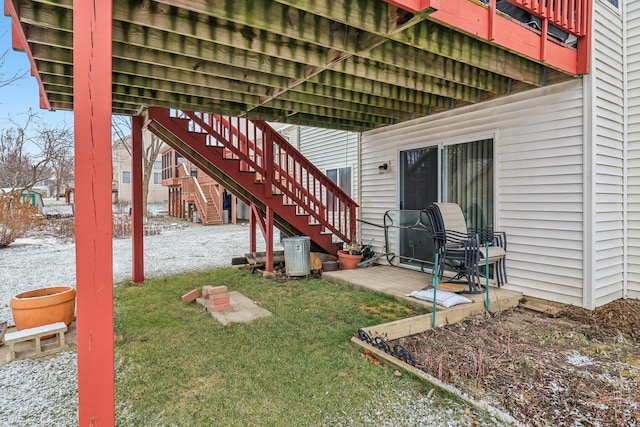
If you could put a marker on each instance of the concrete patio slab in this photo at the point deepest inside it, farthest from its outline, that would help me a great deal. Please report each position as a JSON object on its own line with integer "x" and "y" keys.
{"x": 243, "y": 309}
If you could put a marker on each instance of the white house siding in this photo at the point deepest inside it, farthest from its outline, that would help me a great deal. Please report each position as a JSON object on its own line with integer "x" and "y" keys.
{"x": 539, "y": 139}
{"x": 633, "y": 148}
{"x": 329, "y": 149}
{"x": 607, "y": 268}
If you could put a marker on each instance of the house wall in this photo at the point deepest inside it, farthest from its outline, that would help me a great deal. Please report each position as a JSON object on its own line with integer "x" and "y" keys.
{"x": 122, "y": 162}
{"x": 607, "y": 157}
{"x": 538, "y": 137}
{"x": 633, "y": 147}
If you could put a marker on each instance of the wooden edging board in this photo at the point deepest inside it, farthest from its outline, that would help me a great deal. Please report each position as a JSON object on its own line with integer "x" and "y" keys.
{"x": 444, "y": 316}
{"x": 412, "y": 370}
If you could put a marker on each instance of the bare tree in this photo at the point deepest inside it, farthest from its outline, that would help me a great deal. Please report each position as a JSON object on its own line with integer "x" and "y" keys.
{"x": 58, "y": 143}
{"x": 8, "y": 79}
{"x": 150, "y": 151}
{"x": 28, "y": 157}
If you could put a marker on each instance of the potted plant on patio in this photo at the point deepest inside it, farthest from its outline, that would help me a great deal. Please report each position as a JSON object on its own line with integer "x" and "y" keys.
{"x": 43, "y": 306}
{"x": 350, "y": 257}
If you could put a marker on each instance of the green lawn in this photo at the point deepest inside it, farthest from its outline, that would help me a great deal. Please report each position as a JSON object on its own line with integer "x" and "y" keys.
{"x": 176, "y": 365}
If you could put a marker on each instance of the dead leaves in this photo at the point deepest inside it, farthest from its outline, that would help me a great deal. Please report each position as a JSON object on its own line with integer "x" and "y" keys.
{"x": 372, "y": 358}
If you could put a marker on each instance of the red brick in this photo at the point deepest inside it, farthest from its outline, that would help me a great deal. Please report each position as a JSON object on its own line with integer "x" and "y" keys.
{"x": 216, "y": 297}
{"x": 213, "y": 290}
{"x": 205, "y": 291}
{"x": 221, "y": 307}
{"x": 190, "y": 296}
{"x": 215, "y": 303}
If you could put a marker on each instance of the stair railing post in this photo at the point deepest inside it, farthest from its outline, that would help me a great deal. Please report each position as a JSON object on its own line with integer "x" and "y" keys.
{"x": 267, "y": 167}
{"x": 268, "y": 237}
{"x": 252, "y": 228}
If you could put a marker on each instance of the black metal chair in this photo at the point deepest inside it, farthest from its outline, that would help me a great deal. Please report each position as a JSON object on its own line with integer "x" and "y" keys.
{"x": 465, "y": 250}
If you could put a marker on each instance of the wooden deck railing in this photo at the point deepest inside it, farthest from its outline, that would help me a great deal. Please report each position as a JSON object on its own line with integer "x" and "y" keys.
{"x": 568, "y": 15}
{"x": 482, "y": 19}
{"x": 282, "y": 168}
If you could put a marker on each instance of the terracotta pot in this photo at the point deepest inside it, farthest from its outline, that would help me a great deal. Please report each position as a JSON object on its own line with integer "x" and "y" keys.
{"x": 43, "y": 306}
{"x": 348, "y": 262}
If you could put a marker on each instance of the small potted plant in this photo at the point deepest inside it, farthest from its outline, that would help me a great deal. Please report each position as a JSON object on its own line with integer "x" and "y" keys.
{"x": 350, "y": 257}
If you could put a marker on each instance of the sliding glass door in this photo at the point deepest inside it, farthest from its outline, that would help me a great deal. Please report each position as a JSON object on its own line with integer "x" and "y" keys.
{"x": 458, "y": 173}
{"x": 418, "y": 190}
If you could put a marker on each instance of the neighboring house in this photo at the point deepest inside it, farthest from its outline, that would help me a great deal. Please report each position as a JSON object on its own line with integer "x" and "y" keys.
{"x": 122, "y": 174}
{"x": 194, "y": 195}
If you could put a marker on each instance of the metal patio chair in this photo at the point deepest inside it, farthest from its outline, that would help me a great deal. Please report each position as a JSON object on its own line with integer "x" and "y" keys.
{"x": 465, "y": 250}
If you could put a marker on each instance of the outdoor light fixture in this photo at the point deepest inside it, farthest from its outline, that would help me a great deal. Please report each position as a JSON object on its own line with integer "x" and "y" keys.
{"x": 383, "y": 168}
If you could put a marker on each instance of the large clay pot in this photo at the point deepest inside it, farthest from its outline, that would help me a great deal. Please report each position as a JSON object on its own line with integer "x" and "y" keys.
{"x": 348, "y": 262}
{"x": 44, "y": 306}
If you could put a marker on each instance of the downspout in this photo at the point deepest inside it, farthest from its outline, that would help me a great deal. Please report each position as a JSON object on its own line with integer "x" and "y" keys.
{"x": 588, "y": 177}
{"x": 625, "y": 169}
{"x": 359, "y": 181}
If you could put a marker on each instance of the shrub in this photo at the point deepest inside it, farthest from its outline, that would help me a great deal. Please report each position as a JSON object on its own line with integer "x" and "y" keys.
{"x": 16, "y": 217}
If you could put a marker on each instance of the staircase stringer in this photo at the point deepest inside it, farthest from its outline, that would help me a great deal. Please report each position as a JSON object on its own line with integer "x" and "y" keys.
{"x": 210, "y": 159}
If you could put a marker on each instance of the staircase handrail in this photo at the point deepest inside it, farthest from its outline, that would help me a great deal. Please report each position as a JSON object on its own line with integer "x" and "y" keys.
{"x": 309, "y": 199}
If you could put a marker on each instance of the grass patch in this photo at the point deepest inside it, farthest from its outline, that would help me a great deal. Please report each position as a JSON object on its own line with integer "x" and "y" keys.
{"x": 179, "y": 366}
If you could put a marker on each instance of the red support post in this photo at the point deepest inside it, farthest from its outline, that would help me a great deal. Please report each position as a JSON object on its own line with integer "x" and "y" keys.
{"x": 92, "y": 22}
{"x": 137, "y": 272}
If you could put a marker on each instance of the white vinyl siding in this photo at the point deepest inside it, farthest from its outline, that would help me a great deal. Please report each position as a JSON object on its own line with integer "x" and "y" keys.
{"x": 539, "y": 140}
{"x": 633, "y": 148}
{"x": 330, "y": 149}
{"x": 608, "y": 157}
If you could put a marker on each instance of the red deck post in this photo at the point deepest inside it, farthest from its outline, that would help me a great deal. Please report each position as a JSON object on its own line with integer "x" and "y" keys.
{"x": 137, "y": 275}
{"x": 93, "y": 177}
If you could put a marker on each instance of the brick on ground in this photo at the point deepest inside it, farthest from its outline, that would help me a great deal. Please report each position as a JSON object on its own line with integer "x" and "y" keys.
{"x": 222, "y": 301}
{"x": 220, "y": 307}
{"x": 190, "y": 296}
{"x": 205, "y": 291}
{"x": 214, "y": 290}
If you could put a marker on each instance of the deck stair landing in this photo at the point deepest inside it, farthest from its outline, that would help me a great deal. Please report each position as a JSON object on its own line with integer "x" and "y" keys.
{"x": 254, "y": 162}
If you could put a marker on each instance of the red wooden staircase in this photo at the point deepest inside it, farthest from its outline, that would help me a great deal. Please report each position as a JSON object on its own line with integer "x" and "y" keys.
{"x": 259, "y": 166}
{"x": 206, "y": 199}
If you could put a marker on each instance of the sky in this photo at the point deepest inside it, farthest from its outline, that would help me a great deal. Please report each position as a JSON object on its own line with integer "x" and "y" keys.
{"x": 16, "y": 99}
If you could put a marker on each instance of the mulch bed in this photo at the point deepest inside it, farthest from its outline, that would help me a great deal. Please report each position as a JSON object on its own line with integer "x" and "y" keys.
{"x": 578, "y": 368}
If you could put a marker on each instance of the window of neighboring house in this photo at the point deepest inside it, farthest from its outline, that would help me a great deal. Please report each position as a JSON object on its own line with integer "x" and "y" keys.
{"x": 194, "y": 173}
{"x": 342, "y": 177}
{"x": 614, "y": 3}
{"x": 157, "y": 172}
{"x": 126, "y": 177}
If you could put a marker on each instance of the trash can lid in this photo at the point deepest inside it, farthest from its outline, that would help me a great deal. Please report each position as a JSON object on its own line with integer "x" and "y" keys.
{"x": 296, "y": 238}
